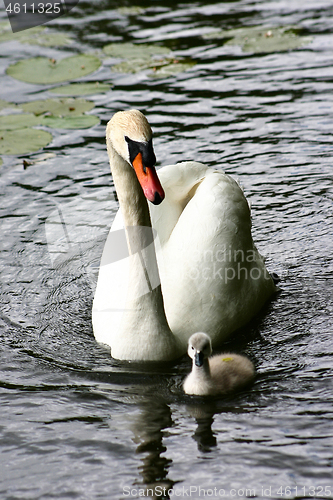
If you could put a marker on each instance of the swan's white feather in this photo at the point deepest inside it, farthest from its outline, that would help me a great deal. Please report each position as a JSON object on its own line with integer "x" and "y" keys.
{"x": 204, "y": 253}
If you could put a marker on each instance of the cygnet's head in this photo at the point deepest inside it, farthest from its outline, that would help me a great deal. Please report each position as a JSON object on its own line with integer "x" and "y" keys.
{"x": 131, "y": 137}
{"x": 199, "y": 348}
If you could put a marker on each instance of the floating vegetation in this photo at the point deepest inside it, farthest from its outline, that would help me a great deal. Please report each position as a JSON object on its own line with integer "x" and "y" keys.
{"x": 70, "y": 122}
{"x": 172, "y": 68}
{"x": 131, "y": 66}
{"x": 161, "y": 68}
{"x": 76, "y": 89}
{"x": 18, "y": 121}
{"x": 42, "y": 70}
{"x": 63, "y": 113}
{"x": 48, "y": 40}
{"x": 6, "y": 106}
{"x": 17, "y": 135}
{"x": 23, "y": 141}
{"x": 58, "y": 107}
{"x": 140, "y": 57}
{"x": 39, "y": 35}
{"x": 130, "y": 11}
{"x": 257, "y": 39}
{"x": 38, "y": 159}
{"x": 128, "y": 50}
{"x": 7, "y": 35}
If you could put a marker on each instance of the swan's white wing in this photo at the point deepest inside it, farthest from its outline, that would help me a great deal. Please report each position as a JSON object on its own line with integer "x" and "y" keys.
{"x": 213, "y": 279}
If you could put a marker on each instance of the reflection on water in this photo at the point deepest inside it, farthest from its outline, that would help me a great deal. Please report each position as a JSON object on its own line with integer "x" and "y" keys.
{"x": 78, "y": 424}
{"x": 148, "y": 431}
{"x": 151, "y": 428}
{"x": 204, "y": 417}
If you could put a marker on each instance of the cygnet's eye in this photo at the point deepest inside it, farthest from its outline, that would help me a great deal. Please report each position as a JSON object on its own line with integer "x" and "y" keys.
{"x": 192, "y": 347}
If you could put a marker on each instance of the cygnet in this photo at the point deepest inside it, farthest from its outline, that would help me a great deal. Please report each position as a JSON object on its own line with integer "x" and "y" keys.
{"x": 218, "y": 374}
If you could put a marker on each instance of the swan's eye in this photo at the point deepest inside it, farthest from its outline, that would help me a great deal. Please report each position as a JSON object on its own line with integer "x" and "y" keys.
{"x": 192, "y": 347}
{"x": 145, "y": 148}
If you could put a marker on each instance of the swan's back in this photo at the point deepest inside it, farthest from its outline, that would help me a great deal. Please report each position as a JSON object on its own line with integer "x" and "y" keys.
{"x": 207, "y": 253}
{"x": 212, "y": 277}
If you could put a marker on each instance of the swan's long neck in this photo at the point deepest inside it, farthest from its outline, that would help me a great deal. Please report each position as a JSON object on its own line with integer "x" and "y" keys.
{"x": 144, "y": 323}
{"x": 139, "y": 233}
{"x": 133, "y": 204}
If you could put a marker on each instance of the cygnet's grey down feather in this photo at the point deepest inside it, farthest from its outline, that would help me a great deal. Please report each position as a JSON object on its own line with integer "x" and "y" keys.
{"x": 218, "y": 374}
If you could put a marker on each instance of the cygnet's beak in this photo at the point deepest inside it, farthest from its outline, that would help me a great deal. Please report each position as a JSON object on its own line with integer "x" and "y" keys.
{"x": 149, "y": 181}
{"x": 198, "y": 358}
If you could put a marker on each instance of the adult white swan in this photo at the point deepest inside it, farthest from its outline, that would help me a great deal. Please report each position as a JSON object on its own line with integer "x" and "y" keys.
{"x": 206, "y": 275}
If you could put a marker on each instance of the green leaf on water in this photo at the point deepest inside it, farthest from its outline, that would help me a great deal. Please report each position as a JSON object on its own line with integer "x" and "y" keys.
{"x": 65, "y": 113}
{"x": 18, "y": 121}
{"x": 58, "y": 107}
{"x": 40, "y": 35}
{"x": 23, "y": 141}
{"x": 1, "y": 162}
{"x": 4, "y": 104}
{"x": 6, "y": 34}
{"x": 132, "y": 66}
{"x": 161, "y": 67}
{"x": 45, "y": 71}
{"x": 75, "y": 89}
{"x": 134, "y": 51}
{"x": 48, "y": 40}
{"x": 258, "y": 39}
{"x": 172, "y": 68}
{"x": 70, "y": 122}
{"x": 130, "y": 11}
{"x": 140, "y": 57}
{"x": 7, "y": 105}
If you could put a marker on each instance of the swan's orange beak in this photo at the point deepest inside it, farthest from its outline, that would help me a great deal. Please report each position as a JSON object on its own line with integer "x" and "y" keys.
{"x": 149, "y": 181}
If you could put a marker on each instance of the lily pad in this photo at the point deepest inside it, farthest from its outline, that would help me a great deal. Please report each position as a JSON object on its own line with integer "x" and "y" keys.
{"x": 134, "y": 51}
{"x": 45, "y": 71}
{"x": 23, "y": 141}
{"x": 257, "y": 39}
{"x": 4, "y": 104}
{"x": 132, "y": 66}
{"x": 7, "y": 105}
{"x": 75, "y": 89}
{"x": 48, "y": 40}
{"x": 18, "y": 121}
{"x": 6, "y": 34}
{"x": 39, "y": 35}
{"x": 58, "y": 107}
{"x": 130, "y": 11}
{"x": 70, "y": 122}
{"x": 140, "y": 57}
{"x": 161, "y": 67}
{"x": 172, "y": 68}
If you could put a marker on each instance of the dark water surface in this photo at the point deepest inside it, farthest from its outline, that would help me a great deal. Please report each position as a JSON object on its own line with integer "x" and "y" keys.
{"x": 76, "y": 424}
